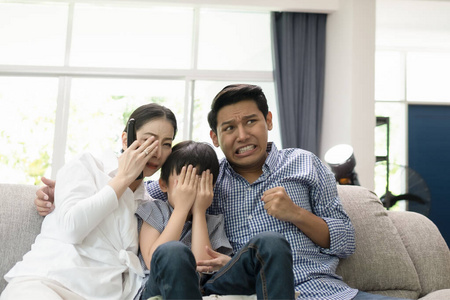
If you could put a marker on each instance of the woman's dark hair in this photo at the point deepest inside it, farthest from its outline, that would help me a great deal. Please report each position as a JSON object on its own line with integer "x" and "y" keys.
{"x": 235, "y": 93}
{"x": 199, "y": 155}
{"x": 145, "y": 113}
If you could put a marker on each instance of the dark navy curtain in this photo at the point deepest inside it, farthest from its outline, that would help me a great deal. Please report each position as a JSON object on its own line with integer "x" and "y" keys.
{"x": 299, "y": 71}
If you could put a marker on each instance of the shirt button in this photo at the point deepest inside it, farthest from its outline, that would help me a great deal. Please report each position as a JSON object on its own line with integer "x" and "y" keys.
{"x": 250, "y": 217}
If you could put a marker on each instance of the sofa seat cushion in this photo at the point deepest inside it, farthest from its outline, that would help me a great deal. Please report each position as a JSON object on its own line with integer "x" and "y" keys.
{"x": 437, "y": 295}
{"x": 380, "y": 263}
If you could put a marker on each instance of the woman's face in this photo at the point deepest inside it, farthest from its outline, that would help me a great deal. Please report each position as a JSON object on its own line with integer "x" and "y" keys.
{"x": 163, "y": 132}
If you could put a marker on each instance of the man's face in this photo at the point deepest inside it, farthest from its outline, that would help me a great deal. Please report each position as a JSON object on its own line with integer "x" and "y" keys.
{"x": 242, "y": 134}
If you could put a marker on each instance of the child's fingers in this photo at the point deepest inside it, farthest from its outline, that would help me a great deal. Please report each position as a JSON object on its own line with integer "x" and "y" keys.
{"x": 191, "y": 176}
{"x": 201, "y": 185}
{"x": 210, "y": 183}
{"x": 206, "y": 181}
{"x": 187, "y": 174}
{"x": 209, "y": 180}
{"x": 182, "y": 175}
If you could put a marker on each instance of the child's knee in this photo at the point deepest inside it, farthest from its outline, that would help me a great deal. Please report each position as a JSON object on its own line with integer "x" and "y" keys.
{"x": 173, "y": 252}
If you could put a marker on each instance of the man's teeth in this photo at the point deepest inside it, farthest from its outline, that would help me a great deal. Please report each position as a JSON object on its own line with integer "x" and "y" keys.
{"x": 245, "y": 149}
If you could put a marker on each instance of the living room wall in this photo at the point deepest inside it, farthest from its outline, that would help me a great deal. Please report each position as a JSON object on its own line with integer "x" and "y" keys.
{"x": 349, "y": 116}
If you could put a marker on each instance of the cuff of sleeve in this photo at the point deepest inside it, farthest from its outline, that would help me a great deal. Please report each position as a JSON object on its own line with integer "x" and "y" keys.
{"x": 342, "y": 242}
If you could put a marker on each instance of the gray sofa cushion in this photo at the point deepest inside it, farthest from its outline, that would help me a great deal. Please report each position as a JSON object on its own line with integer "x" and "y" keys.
{"x": 16, "y": 211}
{"x": 427, "y": 249}
{"x": 380, "y": 263}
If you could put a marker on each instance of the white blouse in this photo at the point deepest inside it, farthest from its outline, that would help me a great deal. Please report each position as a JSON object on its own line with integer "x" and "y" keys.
{"x": 89, "y": 243}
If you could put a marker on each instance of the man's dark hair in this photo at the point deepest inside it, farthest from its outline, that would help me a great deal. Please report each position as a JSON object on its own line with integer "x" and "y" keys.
{"x": 235, "y": 93}
{"x": 199, "y": 155}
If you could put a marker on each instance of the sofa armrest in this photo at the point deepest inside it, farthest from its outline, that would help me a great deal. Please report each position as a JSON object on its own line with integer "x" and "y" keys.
{"x": 427, "y": 249}
{"x": 380, "y": 263}
{"x": 19, "y": 224}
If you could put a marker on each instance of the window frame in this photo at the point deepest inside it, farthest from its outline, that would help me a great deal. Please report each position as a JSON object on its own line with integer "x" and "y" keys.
{"x": 66, "y": 73}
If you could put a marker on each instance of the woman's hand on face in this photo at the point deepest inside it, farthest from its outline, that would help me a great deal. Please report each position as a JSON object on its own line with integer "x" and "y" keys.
{"x": 134, "y": 158}
{"x": 185, "y": 189}
{"x": 205, "y": 193}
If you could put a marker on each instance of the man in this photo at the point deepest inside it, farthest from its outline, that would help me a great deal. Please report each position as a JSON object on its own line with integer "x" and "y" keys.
{"x": 262, "y": 189}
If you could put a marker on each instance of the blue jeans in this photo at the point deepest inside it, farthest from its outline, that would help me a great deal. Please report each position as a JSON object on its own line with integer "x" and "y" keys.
{"x": 173, "y": 273}
{"x": 263, "y": 266}
{"x": 368, "y": 296}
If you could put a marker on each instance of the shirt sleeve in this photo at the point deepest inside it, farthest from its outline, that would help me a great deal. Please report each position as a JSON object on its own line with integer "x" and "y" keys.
{"x": 155, "y": 213}
{"x": 80, "y": 203}
{"x": 327, "y": 205}
{"x": 154, "y": 191}
{"x": 217, "y": 236}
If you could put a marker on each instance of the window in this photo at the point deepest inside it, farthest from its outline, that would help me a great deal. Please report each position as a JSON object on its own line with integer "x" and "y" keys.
{"x": 27, "y": 125}
{"x": 33, "y": 34}
{"x": 401, "y": 78}
{"x": 234, "y": 41}
{"x": 428, "y": 74}
{"x": 71, "y": 73}
{"x": 131, "y": 37}
{"x": 99, "y": 110}
{"x": 411, "y": 67}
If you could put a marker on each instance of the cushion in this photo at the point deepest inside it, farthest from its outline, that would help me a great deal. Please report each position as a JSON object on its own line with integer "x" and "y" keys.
{"x": 380, "y": 262}
{"x": 17, "y": 210}
{"x": 427, "y": 249}
{"x": 437, "y": 295}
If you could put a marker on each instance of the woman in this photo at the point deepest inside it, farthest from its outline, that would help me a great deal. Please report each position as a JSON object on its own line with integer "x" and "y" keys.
{"x": 87, "y": 246}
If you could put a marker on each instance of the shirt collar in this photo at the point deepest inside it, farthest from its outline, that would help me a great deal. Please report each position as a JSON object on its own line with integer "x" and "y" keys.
{"x": 140, "y": 193}
{"x": 270, "y": 163}
{"x": 272, "y": 157}
{"x": 110, "y": 162}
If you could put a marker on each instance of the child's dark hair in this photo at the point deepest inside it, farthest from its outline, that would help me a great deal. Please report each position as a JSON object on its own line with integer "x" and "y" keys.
{"x": 200, "y": 155}
{"x": 235, "y": 93}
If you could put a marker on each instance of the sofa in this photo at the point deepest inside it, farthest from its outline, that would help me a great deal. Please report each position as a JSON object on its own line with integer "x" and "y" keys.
{"x": 399, "y": 254}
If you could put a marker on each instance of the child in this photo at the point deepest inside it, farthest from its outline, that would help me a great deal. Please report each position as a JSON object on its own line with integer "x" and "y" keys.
{"x": 181, "y": 223}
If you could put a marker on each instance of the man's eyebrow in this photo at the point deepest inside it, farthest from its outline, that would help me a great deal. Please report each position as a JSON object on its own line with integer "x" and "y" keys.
{"x": 226, "y": 123}
{"x": 232, "y": 120}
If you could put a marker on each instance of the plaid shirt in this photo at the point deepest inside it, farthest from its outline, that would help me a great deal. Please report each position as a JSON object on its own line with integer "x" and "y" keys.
{"x": 311, "y": 185}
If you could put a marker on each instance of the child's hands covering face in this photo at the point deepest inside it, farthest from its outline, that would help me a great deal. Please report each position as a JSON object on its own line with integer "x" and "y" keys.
{"x": 205, "y": 193}
{"x": 184, "y": 190}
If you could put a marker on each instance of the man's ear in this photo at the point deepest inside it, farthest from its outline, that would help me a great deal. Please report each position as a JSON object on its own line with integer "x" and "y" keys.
{"x": 214, "y": 138}
{"x": 269, "y": 121}
{"x": 124, "y": 141}
{"x": 163, "y": 186}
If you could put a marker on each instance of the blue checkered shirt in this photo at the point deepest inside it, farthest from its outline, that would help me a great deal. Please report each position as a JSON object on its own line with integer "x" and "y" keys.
{"x": 311, "y": 185}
